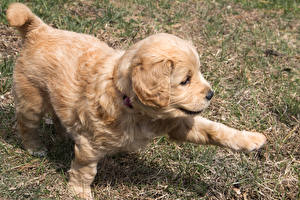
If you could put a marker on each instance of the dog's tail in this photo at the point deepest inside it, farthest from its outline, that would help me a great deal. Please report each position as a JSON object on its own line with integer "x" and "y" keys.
{"x": 21, "y": 17}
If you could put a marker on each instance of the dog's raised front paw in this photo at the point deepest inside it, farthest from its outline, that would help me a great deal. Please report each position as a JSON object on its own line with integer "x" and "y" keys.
{"x": 250, "y": 141}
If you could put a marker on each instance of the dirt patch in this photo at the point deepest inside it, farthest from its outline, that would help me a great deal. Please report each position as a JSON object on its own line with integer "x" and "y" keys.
{"x": 10, "y": 42}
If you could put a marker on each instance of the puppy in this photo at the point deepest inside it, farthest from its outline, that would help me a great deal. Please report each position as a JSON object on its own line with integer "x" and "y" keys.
{"x": 110, "y": 100}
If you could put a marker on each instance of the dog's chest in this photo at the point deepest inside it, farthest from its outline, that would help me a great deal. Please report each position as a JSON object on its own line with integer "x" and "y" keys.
{"x": 138, "y": 134}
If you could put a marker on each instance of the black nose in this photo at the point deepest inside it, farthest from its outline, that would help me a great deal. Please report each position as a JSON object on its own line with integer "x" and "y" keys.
{"x": 209, "y": 95}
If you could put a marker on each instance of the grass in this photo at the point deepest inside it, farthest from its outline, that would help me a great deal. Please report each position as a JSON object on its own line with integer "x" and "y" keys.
{"x": 250, "y": 52}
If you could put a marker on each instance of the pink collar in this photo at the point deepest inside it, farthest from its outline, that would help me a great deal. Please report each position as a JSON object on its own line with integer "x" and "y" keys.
{"x": 127, "y": 102}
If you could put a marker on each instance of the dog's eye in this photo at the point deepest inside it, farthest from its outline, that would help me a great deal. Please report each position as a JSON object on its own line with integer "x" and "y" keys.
{"x": 186, "y": 81}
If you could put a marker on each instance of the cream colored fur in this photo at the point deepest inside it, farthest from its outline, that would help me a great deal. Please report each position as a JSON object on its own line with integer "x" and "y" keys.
{"x": 81, "y": 82}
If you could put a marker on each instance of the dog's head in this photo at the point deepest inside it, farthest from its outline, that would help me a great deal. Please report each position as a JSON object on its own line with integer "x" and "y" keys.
{"x": 161, "y": 75}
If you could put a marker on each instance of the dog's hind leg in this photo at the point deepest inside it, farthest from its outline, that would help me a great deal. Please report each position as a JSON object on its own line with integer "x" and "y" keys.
{"x": 29, "y": 111}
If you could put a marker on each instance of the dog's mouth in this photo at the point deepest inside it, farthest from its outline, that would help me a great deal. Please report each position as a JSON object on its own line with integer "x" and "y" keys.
{"x": 189, "y": 112}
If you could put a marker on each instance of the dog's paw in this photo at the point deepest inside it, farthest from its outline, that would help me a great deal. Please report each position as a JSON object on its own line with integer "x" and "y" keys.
{"x": 252, "y": 140}
{"x": 80, "y": 191}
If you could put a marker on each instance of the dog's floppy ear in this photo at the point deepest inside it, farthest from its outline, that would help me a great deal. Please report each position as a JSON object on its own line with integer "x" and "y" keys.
{"x": 151, "y": 82}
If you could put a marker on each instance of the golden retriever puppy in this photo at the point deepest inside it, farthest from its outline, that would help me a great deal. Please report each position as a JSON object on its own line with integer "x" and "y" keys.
{"x": 111, "y": 100}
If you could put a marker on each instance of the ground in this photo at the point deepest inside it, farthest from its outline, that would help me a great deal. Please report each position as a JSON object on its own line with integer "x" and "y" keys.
{"x": 249, "y": 51}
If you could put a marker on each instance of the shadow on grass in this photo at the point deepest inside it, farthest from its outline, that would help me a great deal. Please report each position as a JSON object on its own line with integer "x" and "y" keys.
{"x": 131, "y": 170}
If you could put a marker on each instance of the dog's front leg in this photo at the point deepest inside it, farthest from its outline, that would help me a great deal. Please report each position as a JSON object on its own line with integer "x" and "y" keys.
{"x": 83, "y": 168}
{"x": 203, "y": 131}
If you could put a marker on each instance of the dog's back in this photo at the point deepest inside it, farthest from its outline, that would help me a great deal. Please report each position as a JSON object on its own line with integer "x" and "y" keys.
{"x": 51, "y": 56}
{"x": 47, "y": 48}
